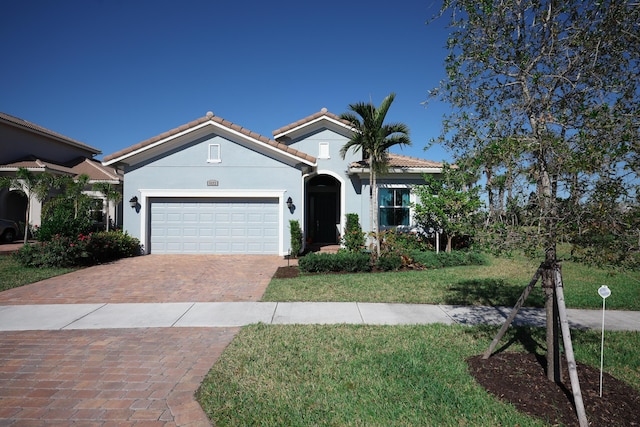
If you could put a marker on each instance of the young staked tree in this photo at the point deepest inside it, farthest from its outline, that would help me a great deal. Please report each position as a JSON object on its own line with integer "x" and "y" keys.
{"x": 448, "y": 203}
{"x": 558, "y": 80}
{"x": 374, "y": 138}
{"x": 34, "y": 186}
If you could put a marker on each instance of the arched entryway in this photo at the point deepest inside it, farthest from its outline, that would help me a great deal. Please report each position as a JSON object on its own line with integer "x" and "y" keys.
{"x": 323, "y": 210}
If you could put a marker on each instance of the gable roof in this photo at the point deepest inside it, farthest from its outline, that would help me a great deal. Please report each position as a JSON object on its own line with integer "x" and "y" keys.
{"x": 34, "y": 128}
{"x": 209, "y": 119}
{"x": 399, "y": 163}
{"x": 93, "y": 168}
{"x": 321, "y": 115}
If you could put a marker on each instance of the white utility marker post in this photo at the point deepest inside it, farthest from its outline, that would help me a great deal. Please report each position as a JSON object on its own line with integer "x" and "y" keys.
{"x": 604, "y": 292}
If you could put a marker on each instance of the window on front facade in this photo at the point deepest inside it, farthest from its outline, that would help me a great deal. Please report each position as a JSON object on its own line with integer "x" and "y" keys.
{"x": 323, "y": 150}
{"x": 214, "y": 153}
{"x": 394, "y": 206}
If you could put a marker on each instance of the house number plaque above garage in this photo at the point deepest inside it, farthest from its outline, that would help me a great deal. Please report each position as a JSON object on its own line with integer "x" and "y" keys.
{"x": 212, "y": 183}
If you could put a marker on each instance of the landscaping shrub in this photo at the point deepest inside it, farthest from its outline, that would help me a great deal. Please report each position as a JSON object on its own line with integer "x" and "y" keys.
{"x": 402, "y": 242}
{"x": 106, "y": 246}
{"x": 58, "y": 219}
{"x": 388, "y": 262}
{"x": 342, "y": 261}
{"x": 353, "y": 239}
{"x": 296, "y": 237}
{"x": 82, "y": 250}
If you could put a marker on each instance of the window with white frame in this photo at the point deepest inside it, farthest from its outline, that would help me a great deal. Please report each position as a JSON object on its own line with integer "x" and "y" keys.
{"x": 395, "y": 205}
{"x": 214, "y": 153}
{"x": 323, "y": 150}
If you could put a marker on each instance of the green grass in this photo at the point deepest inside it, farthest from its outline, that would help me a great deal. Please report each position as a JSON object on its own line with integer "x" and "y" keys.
{"x": 12, "y": 274}
{"x": 375, "y": 375}
{"x": 499, "y": 283}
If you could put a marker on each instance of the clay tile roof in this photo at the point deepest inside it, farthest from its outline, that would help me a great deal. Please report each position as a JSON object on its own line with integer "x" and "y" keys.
{"x": 401, "y": 162}
{"x": 75, "y": 168}
{"x": 96, "y": 171}
{"x": 309, "y": 119}
{"x": 37, "y": 164}
{"x": 32, "y": 127}
{"x": 222, "y": 122}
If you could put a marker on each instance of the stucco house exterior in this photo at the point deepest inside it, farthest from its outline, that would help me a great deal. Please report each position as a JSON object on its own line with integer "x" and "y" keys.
{"x": 211, "y": 186}
{"x": 28, "y": 145}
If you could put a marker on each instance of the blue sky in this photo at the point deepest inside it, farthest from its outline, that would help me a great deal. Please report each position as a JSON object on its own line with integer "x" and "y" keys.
{"x": 112, "y": 73}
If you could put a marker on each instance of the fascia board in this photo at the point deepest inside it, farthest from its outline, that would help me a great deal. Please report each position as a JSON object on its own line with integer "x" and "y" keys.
{"x": 399, "y": 171}
{"x": 146, "y": 152}
{"x": 311, "y": 123}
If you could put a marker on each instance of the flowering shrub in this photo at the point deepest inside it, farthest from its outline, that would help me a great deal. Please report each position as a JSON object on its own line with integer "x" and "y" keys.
{"x": 83, "y": 250}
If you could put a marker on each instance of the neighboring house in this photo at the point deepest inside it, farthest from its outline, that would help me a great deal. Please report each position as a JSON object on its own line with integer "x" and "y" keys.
{"x": 25, "y": 144}
{"x": 211, "y": 186}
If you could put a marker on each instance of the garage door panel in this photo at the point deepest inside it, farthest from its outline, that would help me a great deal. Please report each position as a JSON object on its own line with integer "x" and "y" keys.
{"x": 214, "y": 226}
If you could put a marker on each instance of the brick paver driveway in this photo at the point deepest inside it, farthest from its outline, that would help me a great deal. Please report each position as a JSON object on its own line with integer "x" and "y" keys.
{"x": 123, "y": 377}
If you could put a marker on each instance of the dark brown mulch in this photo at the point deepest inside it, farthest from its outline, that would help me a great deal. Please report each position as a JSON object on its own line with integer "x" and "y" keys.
{"x": 520, "y": 378}
{"x": 287, "y": 272}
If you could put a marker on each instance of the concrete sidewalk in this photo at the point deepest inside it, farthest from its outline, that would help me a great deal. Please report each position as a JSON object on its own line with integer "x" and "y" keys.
{"x": 234, "y": 314}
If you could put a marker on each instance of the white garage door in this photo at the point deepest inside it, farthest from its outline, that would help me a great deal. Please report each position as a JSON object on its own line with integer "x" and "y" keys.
{"x": 214, "y": 226}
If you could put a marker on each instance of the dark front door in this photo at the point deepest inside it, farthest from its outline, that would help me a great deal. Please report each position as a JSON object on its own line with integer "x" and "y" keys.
{"x": 325, "y": 217}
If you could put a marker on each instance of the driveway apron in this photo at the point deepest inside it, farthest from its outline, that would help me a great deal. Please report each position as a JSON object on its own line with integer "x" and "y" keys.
{"x": 123, "y": 376}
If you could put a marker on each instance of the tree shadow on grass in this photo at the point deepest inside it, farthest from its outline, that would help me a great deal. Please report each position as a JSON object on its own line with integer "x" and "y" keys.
{"x": 492, "y": 293}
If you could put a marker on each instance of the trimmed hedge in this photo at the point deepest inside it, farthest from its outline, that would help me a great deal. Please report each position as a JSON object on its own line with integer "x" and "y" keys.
{"x": 342, "y": 261}
{"x": 354, "y": 262}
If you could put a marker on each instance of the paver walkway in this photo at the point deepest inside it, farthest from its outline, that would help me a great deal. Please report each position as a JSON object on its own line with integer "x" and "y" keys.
{"x": 121, "y": 377}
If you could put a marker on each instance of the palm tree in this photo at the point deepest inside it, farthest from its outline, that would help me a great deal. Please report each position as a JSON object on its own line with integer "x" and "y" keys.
{"x": 374, "y": 138}
{"x": 33, "y": 186}
{"x": 110, "y": 194}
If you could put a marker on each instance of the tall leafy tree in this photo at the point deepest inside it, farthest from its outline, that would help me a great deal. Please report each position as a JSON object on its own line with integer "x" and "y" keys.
{"x": 448, "y": 203}
{"x": 374, "y": 138}
{"x": 560, "y": 81}
{"x": 34, "y": 186}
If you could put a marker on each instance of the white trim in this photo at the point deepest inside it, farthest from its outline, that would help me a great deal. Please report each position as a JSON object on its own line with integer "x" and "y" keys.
{"x": 343, "y": 195}
{"x": 412, "y": 201}
{"x": 413, "y": 170}
{"x": 324, "y": 150}
{"x": 223, "y": 129}
{"x": 312, "y": 122}
{"x": 155, "y": 144}
{"x": 212, "y": 159}
{"x": 146, "y": 194}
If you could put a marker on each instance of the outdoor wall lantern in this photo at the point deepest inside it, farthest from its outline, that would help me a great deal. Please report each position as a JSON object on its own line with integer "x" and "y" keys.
{"x": 289, "y": 203}
{"x": 133, "y": 202}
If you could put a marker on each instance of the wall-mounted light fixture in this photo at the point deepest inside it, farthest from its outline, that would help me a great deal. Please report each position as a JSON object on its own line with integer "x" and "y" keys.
{"x": 289, "y": 203}
{"x": 133, "y": 202}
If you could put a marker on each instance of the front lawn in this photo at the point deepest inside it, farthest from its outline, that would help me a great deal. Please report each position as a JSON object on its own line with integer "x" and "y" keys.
{"x": 498, "y": 284}
{"x": 13, "y": 274}
{"x": 377, "y": 375}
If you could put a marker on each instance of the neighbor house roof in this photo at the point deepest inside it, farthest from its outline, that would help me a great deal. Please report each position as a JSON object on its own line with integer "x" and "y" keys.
{"x": 93, "y": 168}
{"x": 34, "y": 128}
{"x": 323, "y": 114}
{"x": 219, "y": 121}
{"x": 400, "y": 163}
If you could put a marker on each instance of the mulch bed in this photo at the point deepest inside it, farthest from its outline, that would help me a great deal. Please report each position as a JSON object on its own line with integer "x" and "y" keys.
{"x": 520, "y": 378}
{"x": 287, "y": 272}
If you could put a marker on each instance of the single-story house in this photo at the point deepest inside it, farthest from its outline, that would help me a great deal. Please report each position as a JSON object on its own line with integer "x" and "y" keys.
{"x": 211, "y": 186}
{"x": 28, "y": 145}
